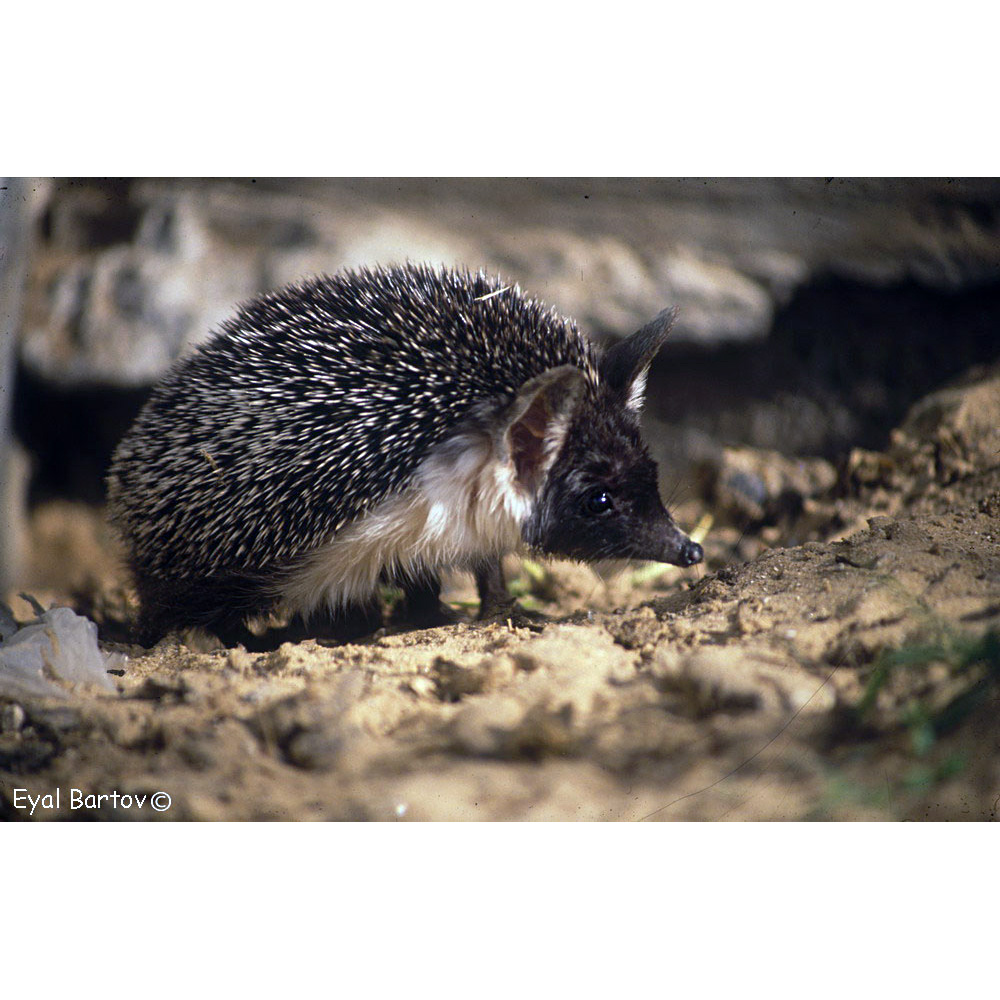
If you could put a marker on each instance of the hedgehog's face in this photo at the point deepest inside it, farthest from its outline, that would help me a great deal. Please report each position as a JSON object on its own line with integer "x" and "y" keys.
{"x": 601, "y": 500}
{"x": 577, "y": 452}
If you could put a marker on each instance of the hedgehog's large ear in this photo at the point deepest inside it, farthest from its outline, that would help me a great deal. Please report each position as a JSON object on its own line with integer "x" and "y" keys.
{"x": 625, "y": 366}
{"x": 534, "y": 426}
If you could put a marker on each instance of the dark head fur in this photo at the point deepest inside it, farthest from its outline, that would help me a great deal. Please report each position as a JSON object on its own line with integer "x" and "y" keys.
{"x": 601, "y": 499}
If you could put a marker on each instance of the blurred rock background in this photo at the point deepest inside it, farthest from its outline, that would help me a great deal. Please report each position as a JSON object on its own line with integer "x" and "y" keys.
{"x": 812, "y": 312}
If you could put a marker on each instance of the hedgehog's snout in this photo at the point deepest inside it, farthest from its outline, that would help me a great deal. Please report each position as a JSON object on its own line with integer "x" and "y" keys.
{"x": 676, "y": 548}
{"x": 690, "y": 553}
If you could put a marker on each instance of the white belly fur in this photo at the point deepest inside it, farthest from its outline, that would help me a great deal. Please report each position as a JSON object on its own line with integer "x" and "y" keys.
{"x": 463, "y": 506}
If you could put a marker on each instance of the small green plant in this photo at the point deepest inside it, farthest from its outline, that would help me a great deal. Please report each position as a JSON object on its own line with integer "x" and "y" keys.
{"x": 532, "y": 575}
{"x": 389, "y": 594}
{"x": 532, "y": 582}
{"x": 973, "y": 664}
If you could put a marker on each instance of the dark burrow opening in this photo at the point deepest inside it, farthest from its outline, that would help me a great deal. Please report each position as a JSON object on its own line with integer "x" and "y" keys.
{"x": 843, "y": 363}
{"x": 70, "y": 434}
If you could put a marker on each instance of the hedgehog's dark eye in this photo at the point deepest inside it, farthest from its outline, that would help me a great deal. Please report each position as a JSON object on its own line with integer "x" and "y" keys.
{"x": 598, "y": 503}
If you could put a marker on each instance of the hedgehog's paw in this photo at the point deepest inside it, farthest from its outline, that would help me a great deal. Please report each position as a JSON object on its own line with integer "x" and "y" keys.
{"x": 501, "y": 611}
{"x": 495, "y": 602}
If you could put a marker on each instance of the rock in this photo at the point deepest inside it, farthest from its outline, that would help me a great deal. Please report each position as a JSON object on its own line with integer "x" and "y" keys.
{"x": 12, "y": 718}
{"x": 754, "y": 484}
{"x": 316, "y": 733}
{"x": 124, "y": 314}
{"x": 952, "y": 431}
{"x": 733, "y": 679}
{"x": 718, "y": 302}
{"x": 571, "y": 665}
{"x": 484, "y": 726}
{"x": 59, "y": 647}
{"x": 15, "y": 218}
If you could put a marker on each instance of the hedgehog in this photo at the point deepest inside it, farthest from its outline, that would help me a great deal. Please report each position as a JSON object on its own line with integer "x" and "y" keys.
{"x": 380, "y": 426}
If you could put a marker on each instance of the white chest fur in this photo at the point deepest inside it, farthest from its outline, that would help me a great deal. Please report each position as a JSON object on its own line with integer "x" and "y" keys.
{"x": 464, "y": 505}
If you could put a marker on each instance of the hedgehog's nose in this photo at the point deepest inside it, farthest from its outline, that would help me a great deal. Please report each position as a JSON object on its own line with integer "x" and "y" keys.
{"x": 690, "y": 553}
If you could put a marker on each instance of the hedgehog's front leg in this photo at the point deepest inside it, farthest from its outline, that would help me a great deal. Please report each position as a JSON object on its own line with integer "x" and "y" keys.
{"x": 494, "y": 598}
{"x": 495, "y": 601}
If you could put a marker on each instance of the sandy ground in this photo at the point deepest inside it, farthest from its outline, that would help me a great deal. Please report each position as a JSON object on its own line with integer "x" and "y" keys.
{"x": 851, "y": 676}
